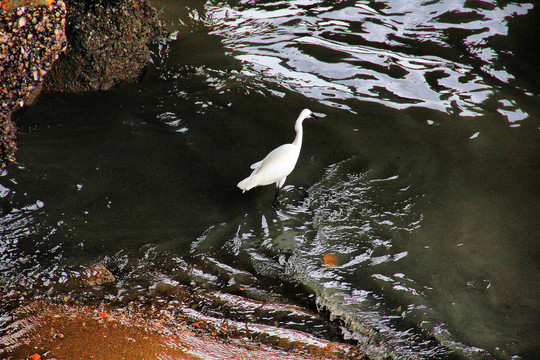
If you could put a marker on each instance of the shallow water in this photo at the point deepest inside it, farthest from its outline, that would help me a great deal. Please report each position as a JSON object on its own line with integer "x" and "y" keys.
{"x": 412, "y": 215}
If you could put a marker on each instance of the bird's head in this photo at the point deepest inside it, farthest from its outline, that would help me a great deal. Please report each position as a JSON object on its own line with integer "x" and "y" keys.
{"x": 306, "y": 113}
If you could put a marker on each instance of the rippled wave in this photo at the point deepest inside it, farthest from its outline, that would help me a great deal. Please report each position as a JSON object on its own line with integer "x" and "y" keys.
{"x": 363, "y": 221}
{"x": 423, "y": 54}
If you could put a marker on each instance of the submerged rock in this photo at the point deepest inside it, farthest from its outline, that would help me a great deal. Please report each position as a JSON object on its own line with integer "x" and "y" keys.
{"x": 96, "y": 275}
{"x": 64, "y": 331}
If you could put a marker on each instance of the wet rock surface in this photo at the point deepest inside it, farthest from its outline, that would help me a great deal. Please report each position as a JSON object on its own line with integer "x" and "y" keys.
{"x": 95, "y": 275}
{"x": 31, "y": 39}
{"x": 86, "y": 312}
{"x": 93, "y": 44}
{"x": 107, "y": 45}
{"x": 54, "y": 330}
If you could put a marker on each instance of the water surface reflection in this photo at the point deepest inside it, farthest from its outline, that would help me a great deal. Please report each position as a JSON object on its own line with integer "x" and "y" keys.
{"x": 411, "y": 215}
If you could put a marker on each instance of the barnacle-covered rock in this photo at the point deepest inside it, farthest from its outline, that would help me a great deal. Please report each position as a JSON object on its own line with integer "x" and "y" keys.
{"x": 107, "y": 45}
{"x": 106, "y": 41}
{"x": 31, "y": 37}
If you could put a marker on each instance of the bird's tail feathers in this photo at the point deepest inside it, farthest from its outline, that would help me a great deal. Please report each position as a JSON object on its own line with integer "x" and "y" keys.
{"x": 246, "y": 184}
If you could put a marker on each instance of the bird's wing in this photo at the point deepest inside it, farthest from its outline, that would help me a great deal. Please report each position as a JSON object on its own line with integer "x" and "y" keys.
{"x": 256, "y": 165}
{"x": 280, "y": 160}
{"x": 281, "y": 154}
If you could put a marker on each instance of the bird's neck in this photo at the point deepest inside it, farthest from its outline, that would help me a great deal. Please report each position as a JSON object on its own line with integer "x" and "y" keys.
{"x": 299, "y": 133}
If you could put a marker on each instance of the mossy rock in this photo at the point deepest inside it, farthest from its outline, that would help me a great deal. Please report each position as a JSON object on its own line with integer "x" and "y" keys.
{"x": 107, "y": 45}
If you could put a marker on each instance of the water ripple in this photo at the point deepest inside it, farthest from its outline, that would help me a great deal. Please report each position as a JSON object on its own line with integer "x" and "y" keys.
{"x": 363, "y": 220}
{"x": 399, "y": 54}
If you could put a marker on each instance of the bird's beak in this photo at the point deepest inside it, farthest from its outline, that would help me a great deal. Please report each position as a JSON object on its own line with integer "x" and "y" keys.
{"x": 318, "y": 116}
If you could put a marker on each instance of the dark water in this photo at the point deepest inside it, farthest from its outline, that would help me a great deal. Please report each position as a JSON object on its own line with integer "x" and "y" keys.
{"x": 412, "y": 215}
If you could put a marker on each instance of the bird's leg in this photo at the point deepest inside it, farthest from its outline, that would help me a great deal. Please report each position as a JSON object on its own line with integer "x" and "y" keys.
{"x": 276, "y": 202}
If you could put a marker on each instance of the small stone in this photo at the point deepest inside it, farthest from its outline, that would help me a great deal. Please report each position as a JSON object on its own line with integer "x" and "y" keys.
{"x": 96, "y": 275}
{"x": 22, "y": 21}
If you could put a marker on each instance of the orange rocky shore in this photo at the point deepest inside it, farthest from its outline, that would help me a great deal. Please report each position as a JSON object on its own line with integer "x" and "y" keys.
{"x": 49, "y": 330}
{"x": 83, "y": 320}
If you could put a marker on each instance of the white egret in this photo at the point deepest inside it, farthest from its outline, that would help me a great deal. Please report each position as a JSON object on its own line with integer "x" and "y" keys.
{"x": 279, "y": 163}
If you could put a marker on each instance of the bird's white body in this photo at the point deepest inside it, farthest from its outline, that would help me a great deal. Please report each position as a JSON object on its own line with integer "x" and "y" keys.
{"x": 274, "y": 168}
{"x": 279, "y": 163}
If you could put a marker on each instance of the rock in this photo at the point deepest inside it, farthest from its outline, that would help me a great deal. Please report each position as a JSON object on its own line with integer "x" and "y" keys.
{"x": 96, "y": 275}
{"x": 23, "y": 50}
{"x": 7, "y": 139}
{"x": 107, "y": 45}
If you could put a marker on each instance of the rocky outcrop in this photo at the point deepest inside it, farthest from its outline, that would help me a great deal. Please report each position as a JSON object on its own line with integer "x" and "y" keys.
{"x": 31, "y": 39}
{"x": 107, "y": 44}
